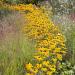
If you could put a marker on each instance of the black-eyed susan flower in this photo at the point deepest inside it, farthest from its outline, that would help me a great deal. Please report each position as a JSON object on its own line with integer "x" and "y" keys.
{"x": 44, "y": 69}
{"x": 38, "y": 58}
{"x": 45, "y": 63}
{"x": 38, "y": 66}
{"x": 49, "y": 73}
{"x": 29, "y": 74}
{"x": 59, "y": 56}
{"x": 28, "y": 66}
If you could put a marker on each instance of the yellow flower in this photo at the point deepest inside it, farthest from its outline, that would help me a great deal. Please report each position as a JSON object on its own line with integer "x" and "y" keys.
{"x": 44, "y": 69}
{"x": 38, "y": 58}
{"x": 64, "y": 52}
{"x": 34, "y": 71}
{"x": 29, "y": 74}
{"x": 57, "y": 50}
{"x": 46, "y": 53}
{"x": 44, "y": 43}
{"x": 42, "y": 49}
{"x": 59, "y": 56}
{"x": 52, "y": 46}
{"x": 53, "y": 69}
{"x": 52, "y": 66}
{"x": 38, "y": 66}
{"x": 28, "y": 66}
{"x": 54, "y": 59}
{"x": 46, "y": 63}
{"x": 49, "y": 73}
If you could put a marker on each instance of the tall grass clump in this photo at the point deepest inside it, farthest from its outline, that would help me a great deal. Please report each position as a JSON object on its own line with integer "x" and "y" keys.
{"x": 15, "y": 48}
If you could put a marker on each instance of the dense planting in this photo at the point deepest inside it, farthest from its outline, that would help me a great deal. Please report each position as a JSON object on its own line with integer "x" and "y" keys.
{"x": 36, "y": 44}
{"x": 49, "y": 42}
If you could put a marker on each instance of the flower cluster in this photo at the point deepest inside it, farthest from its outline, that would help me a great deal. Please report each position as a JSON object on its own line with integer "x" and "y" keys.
{"x": 21, "y": 7}
{"x": 50, "y": 43}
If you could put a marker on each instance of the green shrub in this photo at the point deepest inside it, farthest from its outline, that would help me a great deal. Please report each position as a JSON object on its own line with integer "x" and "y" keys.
{"x": 67, "y": 27}
{"x": 67, "y": 69}
{"x": 22, "y": 1}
